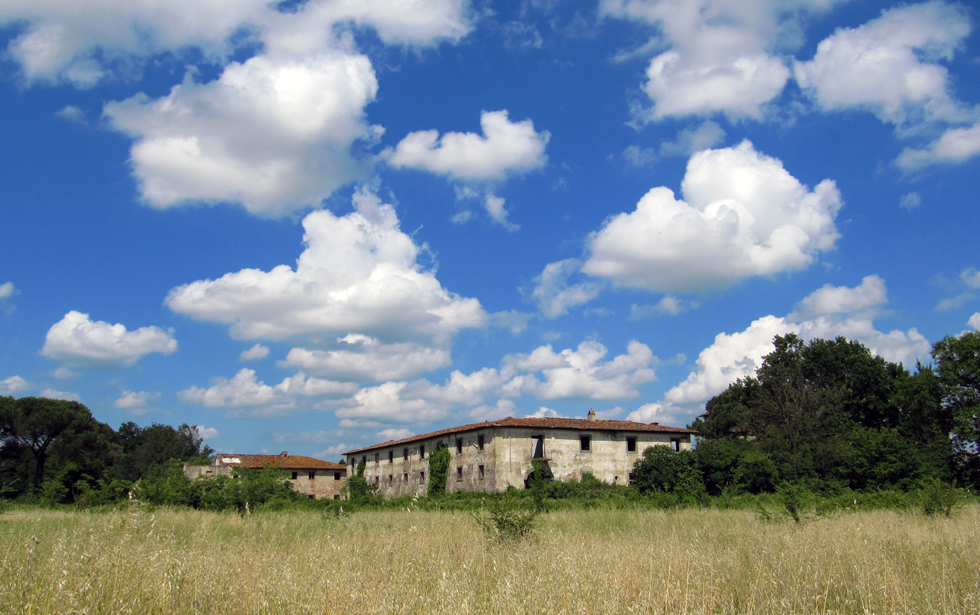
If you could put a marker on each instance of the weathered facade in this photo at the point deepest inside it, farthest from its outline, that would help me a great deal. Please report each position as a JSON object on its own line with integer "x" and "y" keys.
{"x": 494, "y": 455}
{"x": 312, "y": 477}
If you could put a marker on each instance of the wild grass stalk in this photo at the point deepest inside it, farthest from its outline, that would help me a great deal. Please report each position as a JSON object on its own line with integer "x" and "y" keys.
{"x": 411, "y": 561}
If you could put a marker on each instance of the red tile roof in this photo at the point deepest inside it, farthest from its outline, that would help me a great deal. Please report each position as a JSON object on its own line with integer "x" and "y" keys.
{"x": 543, "y": 423}
{"x": 284, "y": 461}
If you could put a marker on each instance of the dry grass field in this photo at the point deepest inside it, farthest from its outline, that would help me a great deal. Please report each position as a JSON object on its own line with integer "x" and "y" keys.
{"x": 690, "y": 561}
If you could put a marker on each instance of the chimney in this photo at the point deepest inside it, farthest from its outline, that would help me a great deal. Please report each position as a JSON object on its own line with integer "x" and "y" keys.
{"x": 591, "y": 414}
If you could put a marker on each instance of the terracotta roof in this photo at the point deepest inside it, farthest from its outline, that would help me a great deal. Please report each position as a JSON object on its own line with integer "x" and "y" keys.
{"x": 543, "y": 423}
{"x": 284, "y": 461}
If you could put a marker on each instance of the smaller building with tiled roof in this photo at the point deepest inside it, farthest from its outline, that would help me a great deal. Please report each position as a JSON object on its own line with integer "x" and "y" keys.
{"x": 312, "y": 477}
{"x": 495, "y": 455}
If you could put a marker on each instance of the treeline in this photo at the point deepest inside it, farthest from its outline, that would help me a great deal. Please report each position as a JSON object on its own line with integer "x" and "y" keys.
{"x": 828, "y": 416}
{"x": 53, "y": 451}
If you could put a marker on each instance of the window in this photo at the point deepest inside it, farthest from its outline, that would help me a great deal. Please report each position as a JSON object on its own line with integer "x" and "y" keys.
{"x": 295, "y": 475}
{"x": 405, "y": 454}
{"x": 405, "y": 478}
{"x": 311, "y": 496}
{"x": 336, "y": 497}
{"x": 479, "y": 442}
{"x": 377, "y": 457}
{"x": 377, "y": 480}
{"x": 480, "y": 472}
{"x": 459, "y": 446}
{"x": 421, "y": 451}
{"x": 630, "y": 445}
{"x": 630, "y": 478}
{"x": 391, "y": 480}
{"x": 364, "y": 459}
{"x": 676, "y": 445}
{"x": 586, "y": 442}
{"x": 312, "y": 475}
{"x": 336, "y": 475}
{"x": 391, "y": 456}
{"x": 459, "y": 472}
{"x": 421, "y": 477}
{"x": 538, "y": 447}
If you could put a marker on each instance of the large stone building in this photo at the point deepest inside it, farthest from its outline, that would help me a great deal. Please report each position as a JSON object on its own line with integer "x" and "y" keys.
{"x": 312, "y": 477}
{"x": 494, "y": 455}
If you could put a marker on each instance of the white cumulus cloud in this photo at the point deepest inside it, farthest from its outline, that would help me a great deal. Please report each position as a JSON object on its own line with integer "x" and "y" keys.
{"x": 358, "y": 274}
{"x": 744, "y": 215}
{"x": 257, "y": 351}
{"x": 245, "y": 390}
{"x": 303, "y": 114}
{"x": 78, "y": 341}
{"x": 889, "y": 65}
{"x": 723, "y": 56}
{"x": 7, "y": 290}
{"x": 975, "y": 321}
{"x": 504, "y": 147}
{"x": 56, "y": 394}
{"x": 136, "y": 402}
{"x": 579, "y": 373}
{"x": 207, "y": 433}
{"x": 368, "y": 359}
{"x": 554, "y": 295}
{"x": 14, "y": 384}
{"x": 953, "y": 146}
{"x": 84, "y": 42}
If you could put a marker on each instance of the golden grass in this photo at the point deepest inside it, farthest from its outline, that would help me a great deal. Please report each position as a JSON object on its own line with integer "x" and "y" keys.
{"x": 691, "y": 561}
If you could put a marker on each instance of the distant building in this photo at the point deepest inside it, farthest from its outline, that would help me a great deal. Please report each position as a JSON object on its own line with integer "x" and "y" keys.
{"x": 494, "y": 455}
{"x": 312, "y": 477}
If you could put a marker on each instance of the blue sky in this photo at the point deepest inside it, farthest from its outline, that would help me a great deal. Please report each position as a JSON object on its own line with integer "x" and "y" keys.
{"x": 312, "y": 226}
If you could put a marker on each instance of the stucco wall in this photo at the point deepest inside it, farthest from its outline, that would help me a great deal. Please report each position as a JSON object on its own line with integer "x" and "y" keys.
{"x": 324, "y": 484}
{"x": 506, "y": 458}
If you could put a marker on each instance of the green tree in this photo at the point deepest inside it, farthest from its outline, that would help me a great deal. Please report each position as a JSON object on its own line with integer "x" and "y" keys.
{"x": 827, "y": 412}
{"x": 958, "y": 366}
{"x": 37, "y": 423}
{"x": 662, "y": 469}
{"x": 438, "y": 470}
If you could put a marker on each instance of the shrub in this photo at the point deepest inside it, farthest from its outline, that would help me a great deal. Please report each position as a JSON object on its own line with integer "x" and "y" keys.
{"x": 505, "y": 521}
{"x": 938, "y": 497}
{"x": 795, "y": 500}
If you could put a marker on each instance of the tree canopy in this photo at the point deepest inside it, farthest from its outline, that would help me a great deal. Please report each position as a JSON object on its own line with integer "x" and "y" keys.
{"x": 828, "y": 412}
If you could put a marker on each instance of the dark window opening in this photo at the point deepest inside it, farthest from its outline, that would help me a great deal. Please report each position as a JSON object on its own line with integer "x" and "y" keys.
{"x": 422, "y": 451}
{"x": 586, "y": 442}
{"x": 336, "y": 497}
{"x": 630, "y": 445}
{"x": 538, "y": 447}
{"x": 479, "y": 442}
{"x": 459, "y": 472}
{"x": 336, "y": 475}
{"x": 405, "y": 477}
{"x": 391, "y": 456}
{"x": 421, "y": 477}
{"x": 481, "y": 472}
{"x": 377, "y": 457}
{"x": 391, "y": 479}
{"x": 676, "y": 445}
{"x": 459, "y": 446}
{"x": 311, "y": 496}
{"x": 630, "y": 478}
{"x": 312, "y": 475}
{"x": 295, "y": 475}
{"x": 364, "y": 459}
{"x": 405, "y": 454}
